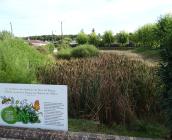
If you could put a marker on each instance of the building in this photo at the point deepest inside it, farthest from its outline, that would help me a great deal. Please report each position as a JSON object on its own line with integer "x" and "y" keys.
{"x": 73, "y": 43}
{"x": 37, "y": 43}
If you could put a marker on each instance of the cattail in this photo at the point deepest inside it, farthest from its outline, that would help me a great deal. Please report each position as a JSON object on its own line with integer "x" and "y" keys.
{"x": 108, "y": 88}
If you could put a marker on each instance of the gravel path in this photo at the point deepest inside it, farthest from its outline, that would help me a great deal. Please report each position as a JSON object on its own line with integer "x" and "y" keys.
{"x": 9, "y": 133}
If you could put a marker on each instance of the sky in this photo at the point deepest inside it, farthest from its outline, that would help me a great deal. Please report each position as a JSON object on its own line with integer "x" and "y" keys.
{"x": 39, "y": 17}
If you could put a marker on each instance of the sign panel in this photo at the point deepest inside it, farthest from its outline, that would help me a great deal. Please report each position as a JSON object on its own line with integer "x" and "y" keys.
{"x": 34, "y": 106}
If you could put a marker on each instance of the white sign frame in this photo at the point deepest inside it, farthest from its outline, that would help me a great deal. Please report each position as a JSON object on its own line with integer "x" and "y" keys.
{"x": 43, "y": 106}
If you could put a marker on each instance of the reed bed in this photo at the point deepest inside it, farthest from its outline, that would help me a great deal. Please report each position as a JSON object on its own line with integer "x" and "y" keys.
{"x": 108, "y": 88}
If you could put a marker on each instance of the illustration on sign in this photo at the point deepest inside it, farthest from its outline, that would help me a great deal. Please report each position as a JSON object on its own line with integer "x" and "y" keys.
{"x": 20, "y": 111}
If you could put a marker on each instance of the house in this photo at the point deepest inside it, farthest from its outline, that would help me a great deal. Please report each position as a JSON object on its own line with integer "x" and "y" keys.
{"x": 37, "y": 43}
{"x": 73, "y": 43}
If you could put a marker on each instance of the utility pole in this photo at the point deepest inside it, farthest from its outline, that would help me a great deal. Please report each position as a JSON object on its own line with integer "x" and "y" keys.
{"x": 11, "y": 28}
{"x": 52, "y": 37}
{"x": 61, "y": 31}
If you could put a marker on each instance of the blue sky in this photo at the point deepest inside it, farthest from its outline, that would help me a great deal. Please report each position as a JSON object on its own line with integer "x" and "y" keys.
{"x": 37, "y": 17}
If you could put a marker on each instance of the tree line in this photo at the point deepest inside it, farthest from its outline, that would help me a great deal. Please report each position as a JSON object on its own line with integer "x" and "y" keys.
{"x": 149, "y": 35}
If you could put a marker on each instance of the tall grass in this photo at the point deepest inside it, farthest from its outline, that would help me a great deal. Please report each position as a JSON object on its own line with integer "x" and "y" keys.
{"x": 18, "y": 61}
{"x": 109, "y": 88}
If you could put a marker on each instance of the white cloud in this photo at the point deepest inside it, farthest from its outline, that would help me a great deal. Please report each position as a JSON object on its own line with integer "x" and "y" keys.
{"x": 31, "y": 17}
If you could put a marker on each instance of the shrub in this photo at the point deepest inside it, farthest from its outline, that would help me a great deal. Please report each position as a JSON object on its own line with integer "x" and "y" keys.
{"x": 85, "y": 51}
{"x": 18, "y": 61}
{"x": 78, "y": 52}
{"x": 64, "y": 43}
{"x": 109, "y": 88}
{"x": 166, "y": 75}
{"x": 66, "y": 40}
{"x": 42, "y": 49}
{"x": 82, "y": 38}
{"x": 5, "y": 35}
{"x": 165, "y": 36}
{"x": 50, "y": 47}
{"x": 63, "y": 46}
{"x": 46, "y": 49}
{"x": 65, "y": 53}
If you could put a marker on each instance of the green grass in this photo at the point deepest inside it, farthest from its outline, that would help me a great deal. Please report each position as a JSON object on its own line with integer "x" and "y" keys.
{"x": 117, "y": 48}
{"x": 145, "y": 52}
{"x": 148, "y": 53}
{"x": 139, "y": 129}
{"x": 18, "y": 61}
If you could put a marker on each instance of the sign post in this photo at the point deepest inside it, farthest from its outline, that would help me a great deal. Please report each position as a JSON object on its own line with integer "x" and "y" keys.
{"x": 34, "y": 106}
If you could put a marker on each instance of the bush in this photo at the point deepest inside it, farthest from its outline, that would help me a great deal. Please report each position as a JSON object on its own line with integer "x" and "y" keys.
{"x": 78, "y": 52}
{"x": 64, "y": 53}
{"x": 42, "y": 49}
{"x": 50, "y": 47}
{"x": 109, "y": 88}
{"x": 46, "y": 49}
{"x": 85, "y": 51}
{"x": 82, "y": 38}
{"x": 166, "y": 75}
{"x": 5, "y": 35}
{"x": 66, "y": 40}
{"x": 62, "y": 46}
{"x": 18, "y": 61}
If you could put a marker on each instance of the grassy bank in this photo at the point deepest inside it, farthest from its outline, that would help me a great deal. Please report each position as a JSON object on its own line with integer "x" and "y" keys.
{"x": 148, "y": 53}
{"x": 139, "y": 129}
{"x": 19, "y": 61}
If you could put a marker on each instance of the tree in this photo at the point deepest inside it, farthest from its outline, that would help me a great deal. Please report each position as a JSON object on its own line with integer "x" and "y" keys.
{"x": 145, "y": 36}
{"x": 122, "y": 37}
{"x": 165, "y": 37}
{"x": 82, "y": 38}
{"x": 164, "y": 27}
{"x": 93, "y": 39}
{"x": 166, "y": 76}
{"x": 108, "y": 38}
